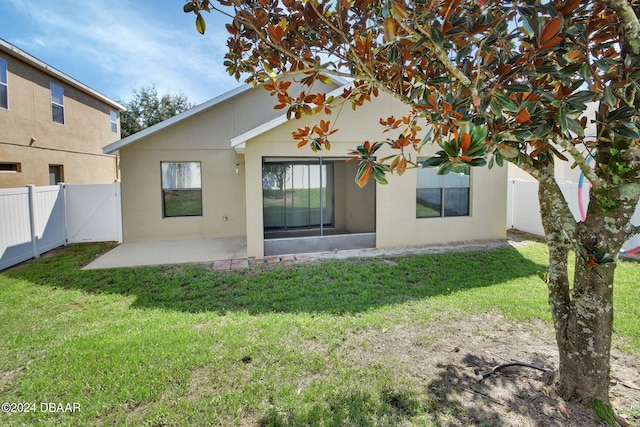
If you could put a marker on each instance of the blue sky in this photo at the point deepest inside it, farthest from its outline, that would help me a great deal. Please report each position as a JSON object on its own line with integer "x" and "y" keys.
{"x": 116, "y": 46}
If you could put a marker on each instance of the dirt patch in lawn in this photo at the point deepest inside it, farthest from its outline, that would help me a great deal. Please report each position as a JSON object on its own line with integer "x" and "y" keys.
{"x": 445, "y": 356}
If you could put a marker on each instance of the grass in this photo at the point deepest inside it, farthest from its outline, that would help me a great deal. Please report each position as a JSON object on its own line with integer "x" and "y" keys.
{"x": 182, "y": 345}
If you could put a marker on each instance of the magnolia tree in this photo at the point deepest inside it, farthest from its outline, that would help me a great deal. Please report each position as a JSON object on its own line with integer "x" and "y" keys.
{"x": 493, "y": 82}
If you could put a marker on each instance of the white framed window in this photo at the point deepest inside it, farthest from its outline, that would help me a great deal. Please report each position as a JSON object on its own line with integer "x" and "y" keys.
{"x": 443, "y": 195}
{"x": 181, "y": 189}
{"x": 57, "y": 103}
{"x": 114, "y": 121}
{"x": 4, "y": 85}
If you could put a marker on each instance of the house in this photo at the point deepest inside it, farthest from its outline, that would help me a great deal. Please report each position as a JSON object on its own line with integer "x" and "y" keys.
{"x": 229, "y": 168}
{"x": 52, "y": 127}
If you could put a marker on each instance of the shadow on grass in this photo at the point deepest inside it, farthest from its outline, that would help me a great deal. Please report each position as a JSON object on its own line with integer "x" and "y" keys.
{"x": 512, "y": 396}
{"x": 356, "y": 408}
{"x": 330, "y": 286}
{"x": 451, "y": 396}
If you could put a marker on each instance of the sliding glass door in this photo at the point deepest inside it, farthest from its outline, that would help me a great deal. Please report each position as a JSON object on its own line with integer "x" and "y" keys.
{"x": 297, "y": 194}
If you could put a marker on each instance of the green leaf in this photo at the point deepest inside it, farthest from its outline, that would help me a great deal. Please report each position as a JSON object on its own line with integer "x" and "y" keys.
{"x": 561, "y": 117}
{"x": 505, "y": 102}
{"x": 547, "y": 69}
{"x": 542, "y": 130}
{"x": 569, "y": 69}
{"x": 464, "y": 52}
{"x": 427, "y": 137}
{"x": 433, "y": 161}
{"x": 608, "y": 97}
{"x": 436, "y": 35}
{"x": 575, "y": 127}
{"x": 450, "y": 148}
{"x": 386, "y": 10}
{"x": 582, "y": 96}
{"x": 621, "y": 113}
{"x": 517, "y": 88}
{"x": 477, "y": 161}
{"x": 378, "y": 174}
{"x": 479, "y": 133}
{"x": 188, "y": 8}
{"x": 201, "y": 26}
{"x": 527, "y": 25}
{"x": 626, "y": 132}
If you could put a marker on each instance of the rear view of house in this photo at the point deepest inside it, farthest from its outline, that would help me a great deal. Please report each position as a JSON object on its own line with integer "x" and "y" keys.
{"x": 230, "y": 168}
{"x": 52, "y": 127}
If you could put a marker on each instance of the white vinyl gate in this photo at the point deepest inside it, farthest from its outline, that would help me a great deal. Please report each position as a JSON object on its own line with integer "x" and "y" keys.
{"x": 34, "y": 220}
{"x": 93, "y": 213}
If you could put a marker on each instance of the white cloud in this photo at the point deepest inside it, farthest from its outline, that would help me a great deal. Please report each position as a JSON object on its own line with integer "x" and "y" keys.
{"x": 124, "y": 45}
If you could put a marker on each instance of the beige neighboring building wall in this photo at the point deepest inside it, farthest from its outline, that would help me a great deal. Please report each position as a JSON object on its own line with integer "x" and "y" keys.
{"x": 395, "y": 203}
{"x": 31, "y": 139}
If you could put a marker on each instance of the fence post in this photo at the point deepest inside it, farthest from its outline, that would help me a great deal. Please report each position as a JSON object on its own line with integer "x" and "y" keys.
{"x": 32, "y": 221}
{"x": 63, "y": 190}
{"x": 118, "y": 210}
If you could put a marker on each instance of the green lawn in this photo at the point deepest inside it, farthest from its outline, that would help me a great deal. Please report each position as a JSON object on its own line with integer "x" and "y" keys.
{"x": 182, "y": 345}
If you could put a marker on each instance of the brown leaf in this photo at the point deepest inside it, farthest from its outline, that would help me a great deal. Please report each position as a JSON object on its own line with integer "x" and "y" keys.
{"x": 363, "y": 178}
{"x": 570, "y": 6}
{"x": 523, "y": 116}
{"x": 402, "y": 166}
{"x": 550, "y": 31}
{"x": 399, "y": 9}
{"x": 390, "y": 29}
{"x": 466, "y": 142}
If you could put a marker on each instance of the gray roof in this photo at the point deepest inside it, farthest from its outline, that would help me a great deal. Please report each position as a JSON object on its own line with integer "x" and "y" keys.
{"x": 114, "y": 147}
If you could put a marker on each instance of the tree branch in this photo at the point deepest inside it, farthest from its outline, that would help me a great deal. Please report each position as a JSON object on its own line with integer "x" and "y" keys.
{"x": 631, "y": 39}
{"x": 581, "y": 161}
{"x": 437, "y": 50}
{"x": 560, "y": 208}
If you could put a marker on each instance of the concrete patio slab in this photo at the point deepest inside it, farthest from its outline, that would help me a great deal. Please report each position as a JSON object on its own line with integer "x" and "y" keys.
{"x": 171, "y": 252}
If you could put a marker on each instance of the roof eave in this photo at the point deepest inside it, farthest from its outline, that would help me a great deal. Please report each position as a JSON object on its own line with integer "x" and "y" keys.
{"x": 7, "y": 47}
{"x": 239, "y": 142}
{"x": 114, "y": 147}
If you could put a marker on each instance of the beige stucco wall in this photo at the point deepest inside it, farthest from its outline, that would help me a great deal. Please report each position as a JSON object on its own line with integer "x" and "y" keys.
{"x": 204, "y": 137}
{"x": 396, "y": 222}
{"x": 222, "y": 195}
{"x": 29, "y": 136}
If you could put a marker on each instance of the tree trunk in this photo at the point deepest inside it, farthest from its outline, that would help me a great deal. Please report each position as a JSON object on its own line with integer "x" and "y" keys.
{"x": 582, "y": 313}
{"x": 585, "y": 344}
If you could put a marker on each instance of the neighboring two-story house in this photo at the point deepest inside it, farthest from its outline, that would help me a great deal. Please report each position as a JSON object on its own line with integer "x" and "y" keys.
{"x": 52, "y": 127}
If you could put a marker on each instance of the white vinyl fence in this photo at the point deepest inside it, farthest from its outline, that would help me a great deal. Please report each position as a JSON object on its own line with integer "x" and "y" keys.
{"x": 34, "y": 220}
{"x": 523, "y": 209}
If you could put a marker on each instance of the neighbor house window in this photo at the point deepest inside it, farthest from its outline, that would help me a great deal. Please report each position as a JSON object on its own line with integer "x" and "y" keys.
{"x": 181, "y": 189}
{"x": 4, "y": 88}
{"x": 442, "y": 195}
{"x": 10, "y": 167}
{"x": 114, "y": 121}
{"x": 56, "y": 174}
{"x": 57, "y": 103}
